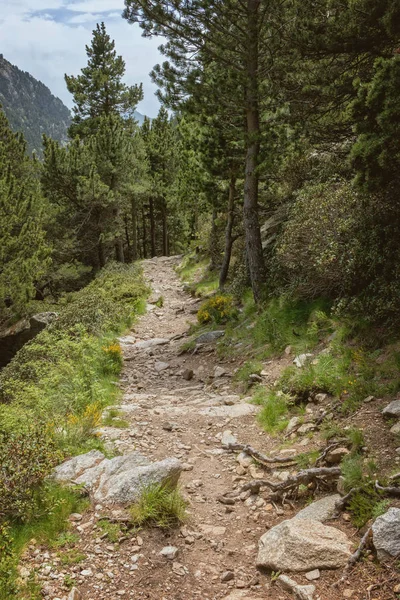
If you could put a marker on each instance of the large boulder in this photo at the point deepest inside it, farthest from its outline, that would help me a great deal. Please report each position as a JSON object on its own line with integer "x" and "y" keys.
{"x": 321, "y": 510}
{"x": 119, "y": 480}
{"x": 15, "y": 337}
{"x": 386, "y": 534}
{"x": 303, "y": 545}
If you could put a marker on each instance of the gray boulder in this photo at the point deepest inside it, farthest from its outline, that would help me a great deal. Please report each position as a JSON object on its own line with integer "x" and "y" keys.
{"x": 386, "y": 534}
{"x": 392, "y": 409}
{"x": 119, "y": 480}
{"x": 303, "y": 545}
{"x": 321, "y": 510}
{"x": 15, "y": 337}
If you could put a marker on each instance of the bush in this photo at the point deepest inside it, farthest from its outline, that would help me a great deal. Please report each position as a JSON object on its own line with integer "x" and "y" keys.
{"x": 27, "y": 459}
{"x": 218, "y": 309}
{"x": 317, "y": 249}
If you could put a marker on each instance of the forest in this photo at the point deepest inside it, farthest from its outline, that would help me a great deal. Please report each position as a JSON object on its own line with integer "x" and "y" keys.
{"x": 273, "y": 166}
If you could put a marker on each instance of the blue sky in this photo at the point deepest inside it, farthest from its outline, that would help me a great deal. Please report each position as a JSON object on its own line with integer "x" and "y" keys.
{"x": 48, "y": 37}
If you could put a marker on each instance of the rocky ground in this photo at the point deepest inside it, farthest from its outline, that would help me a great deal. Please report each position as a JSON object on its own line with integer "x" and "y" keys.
{"x": 183, "y": 407}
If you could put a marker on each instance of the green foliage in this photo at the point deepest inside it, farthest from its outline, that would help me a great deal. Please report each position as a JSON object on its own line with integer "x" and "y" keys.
{"x": 27, "y": 459}
{"x": 113, "y": 530}
{"x": 218, "y": 309}
{"x": 274, "y": 411}
{"x": 250, "y": 367}
{"x": 24, "y": 253}
{"x": 159, "y": 506}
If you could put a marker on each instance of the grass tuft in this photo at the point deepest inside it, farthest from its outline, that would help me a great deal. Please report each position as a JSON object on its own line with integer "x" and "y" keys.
{"x": 159, "y": 506}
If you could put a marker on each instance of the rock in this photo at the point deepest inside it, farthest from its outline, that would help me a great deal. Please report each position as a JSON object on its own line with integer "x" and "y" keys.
{"x": 75, "y": 517}
{"x": 227, "y": 576}
{"x": 320, "y": 398}
{"x": 335, "y": 456}
{"x": 294, "y": 421}
{"x": 209, "y": 337}
{"x": 13, "y": 338}
{"x": 161, "y": 366}
{"x": 302, "y": 592}
{"x": 167, "y": 426}
{"x": 396, "y": 428}
{"x": 118, "y": 480}
{"x": 74, "y": 594}
{"x": 368, "y": 399}
{"x": 145, "y": 344}
{"x": 321, "y": 510}
{"x": 301, "y": 360}
{"x": 219, "y": 372}
{"x": 87, "y": 573}
{"x": 392, "y": 409}
{"x": 244, "y": 460}
{"x": 303, "y": 545}
{"x": 228, "y": 438}
{"x": 386, "y": 534}
{"x": 306, "y": 428}
{"x": 313, "y": 575}
{"x": 239, "y": 409}
{"x": 255, "y": 378}
{"x": 188, "y": 374}
{"x": 348, "y": 593}
{"x": 210, "y": 530}
{"x": 169, "y": 552}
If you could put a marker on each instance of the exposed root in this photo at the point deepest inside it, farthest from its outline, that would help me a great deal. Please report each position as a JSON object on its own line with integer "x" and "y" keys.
{"x": 291, "y": 485}
{"x": 261, "y": 458}
{"x": 355, "y": 557}
{"x": 393, "y": 492}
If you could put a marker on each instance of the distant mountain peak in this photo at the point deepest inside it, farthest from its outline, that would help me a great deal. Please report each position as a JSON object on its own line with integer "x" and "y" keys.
{"x": 30, "y": 106}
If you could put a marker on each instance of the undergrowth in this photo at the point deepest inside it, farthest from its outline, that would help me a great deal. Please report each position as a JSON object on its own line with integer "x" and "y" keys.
{"x": 52, "y": 397}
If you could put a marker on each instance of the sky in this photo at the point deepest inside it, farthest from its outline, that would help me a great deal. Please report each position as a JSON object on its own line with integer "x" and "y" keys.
{"x": 47, "y": 38}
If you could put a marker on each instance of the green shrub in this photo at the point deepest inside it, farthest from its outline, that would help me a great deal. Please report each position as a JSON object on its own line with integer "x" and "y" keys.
{"x": 272, "y": 416}
{"x": 159, "y": 506}
{"x": 27, "y": 459}
{"x": 218, "y": 309}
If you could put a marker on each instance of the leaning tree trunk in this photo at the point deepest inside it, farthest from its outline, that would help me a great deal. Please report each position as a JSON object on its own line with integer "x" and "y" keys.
{"x": 250, "y": 207}
{"x": 152, "y": 229}
{"x": 229, "y": 239}
{"x": 134, "y": 234}
{"x": 214, "y": 242}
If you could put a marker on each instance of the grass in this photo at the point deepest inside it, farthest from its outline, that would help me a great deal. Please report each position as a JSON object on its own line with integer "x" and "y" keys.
{"x": 113, "y": 419}
{"x": 49, "y": 525}
{"x": 273, "y": 416}
{"x": 159, "y": 506}
{"x": 250, "y": 367}
{"x": 113, "y": 530}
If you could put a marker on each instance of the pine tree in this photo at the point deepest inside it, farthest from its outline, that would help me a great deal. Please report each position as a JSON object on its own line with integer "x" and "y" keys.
{"x": 240, "y": 37}
{"x": 24, "y": 253}
{"x": 99, "y": 90}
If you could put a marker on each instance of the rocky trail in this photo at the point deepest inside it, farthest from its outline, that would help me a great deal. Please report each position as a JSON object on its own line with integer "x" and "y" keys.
{"x": 182, "y": 410}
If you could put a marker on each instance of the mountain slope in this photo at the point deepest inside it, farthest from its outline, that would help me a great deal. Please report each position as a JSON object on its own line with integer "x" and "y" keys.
{"x": 30, "y": 106}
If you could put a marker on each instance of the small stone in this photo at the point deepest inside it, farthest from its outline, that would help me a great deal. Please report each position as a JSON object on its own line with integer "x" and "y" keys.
{"x": 161, "y": 366}
{"x": 75, "y": 517}
{"x": 178, "y": 569}
{"x": 219, "y": 372}
{"x": 369, "y": 399}
{"x": 301, "y": 360}
{"x": 313, "y": 575}
{"x": 87, "y": 573}
{"x": 396, "y": 428}
{"x": 188, "y": 374}
{"x": 240, "y": 584}
{"x": 167, "y": 426}
{"x": 228, "y": 438}
{"x": 244, "y": 460}
{"x": 392, "y": 409}
{"x": 294, "y": 421}
{"x": 335, "y": 456}
{"x": 169, "y": 552}
{"x": 306, "y": 428}
{"x": 320, "y": 398}
{"x": 302, "y": 592}
{"x": 74, "y": 594}
{"x": 227, "y": 576}
{"x": 348, "y": 593}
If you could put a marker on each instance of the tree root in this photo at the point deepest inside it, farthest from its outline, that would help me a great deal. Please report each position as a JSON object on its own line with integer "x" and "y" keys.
{"x": 355, "y": 557}
{"x": 261, "y": 458}
{"x": 304, "y": 477}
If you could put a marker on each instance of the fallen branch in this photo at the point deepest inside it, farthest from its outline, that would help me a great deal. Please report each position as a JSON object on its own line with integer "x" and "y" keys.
{"x": 393, "y": 492}
{"x": 343, "y": 502}
{"x": 355, "y": 557}
{"x": 262, "y": 458}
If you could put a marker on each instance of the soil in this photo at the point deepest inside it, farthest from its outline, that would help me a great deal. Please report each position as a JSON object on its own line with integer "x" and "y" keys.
{"x": 170, "y": 415}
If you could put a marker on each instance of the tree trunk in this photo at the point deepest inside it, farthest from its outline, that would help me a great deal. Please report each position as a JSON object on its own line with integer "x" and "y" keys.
{"x": 101, "y": 253}
{"x": 134, "y": 241}
{"x": 213, "y": 243}
{"x": 250, "y": 206}
{"x": 165, "y": 228}
{"x": 152, "y": 229}
{"x": 144, "y": 233}
{"x": 229, "y": 240}
{"x": 128, "y": 256}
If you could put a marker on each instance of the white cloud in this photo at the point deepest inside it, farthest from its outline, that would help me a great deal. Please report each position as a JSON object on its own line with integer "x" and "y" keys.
{"x": 47, "y": 48}
{"x": 96, "y": 6}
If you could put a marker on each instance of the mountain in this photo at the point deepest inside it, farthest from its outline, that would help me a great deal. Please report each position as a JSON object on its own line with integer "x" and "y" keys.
{"x": 139, "y": 117}
{"x": 30, "y": 107}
